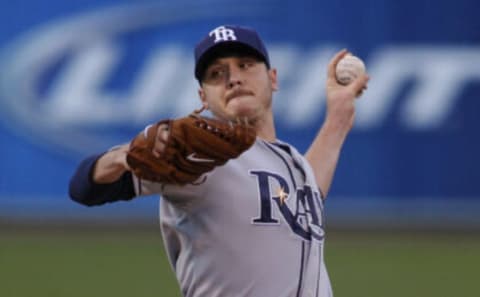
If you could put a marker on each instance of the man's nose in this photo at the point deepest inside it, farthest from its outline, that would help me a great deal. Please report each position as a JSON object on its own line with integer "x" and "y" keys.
{"x": 234, "y": 78}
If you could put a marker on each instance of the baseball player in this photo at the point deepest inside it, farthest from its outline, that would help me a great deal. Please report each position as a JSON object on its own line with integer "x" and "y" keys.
{"x": 235, "y": 221}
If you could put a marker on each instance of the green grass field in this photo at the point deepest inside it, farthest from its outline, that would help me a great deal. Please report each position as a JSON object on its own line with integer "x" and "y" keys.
{"x": 131, "y": 263}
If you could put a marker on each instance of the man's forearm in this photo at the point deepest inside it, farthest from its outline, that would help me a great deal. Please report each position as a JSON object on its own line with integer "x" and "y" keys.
{"x": 324, "y": 153}
{"x": 111, "y": 166}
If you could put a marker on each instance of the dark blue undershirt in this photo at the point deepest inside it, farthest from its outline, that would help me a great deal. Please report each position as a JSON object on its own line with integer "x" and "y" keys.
{"x": 84, "y": 190}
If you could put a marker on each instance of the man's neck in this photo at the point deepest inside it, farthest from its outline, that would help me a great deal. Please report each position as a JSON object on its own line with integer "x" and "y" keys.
{"x": 265, "y": 128}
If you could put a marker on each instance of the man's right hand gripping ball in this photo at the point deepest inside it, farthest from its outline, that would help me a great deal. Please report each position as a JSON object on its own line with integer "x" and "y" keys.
{"x": 194, "y": 145}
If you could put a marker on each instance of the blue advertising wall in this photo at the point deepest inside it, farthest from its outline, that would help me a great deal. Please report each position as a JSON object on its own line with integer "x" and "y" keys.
{"x": 79, "y": 77}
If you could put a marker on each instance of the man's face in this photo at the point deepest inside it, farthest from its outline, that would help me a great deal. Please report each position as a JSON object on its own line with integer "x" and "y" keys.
{"x": 238, "y": 87}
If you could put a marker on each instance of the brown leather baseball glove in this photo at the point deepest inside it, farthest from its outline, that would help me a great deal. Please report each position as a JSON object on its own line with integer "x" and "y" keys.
{"x": 195, "y": 145}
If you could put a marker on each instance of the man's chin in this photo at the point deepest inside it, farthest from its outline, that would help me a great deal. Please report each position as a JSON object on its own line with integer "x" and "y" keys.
{"x": 240, "y": 109}
{"x": 242, "y": 113}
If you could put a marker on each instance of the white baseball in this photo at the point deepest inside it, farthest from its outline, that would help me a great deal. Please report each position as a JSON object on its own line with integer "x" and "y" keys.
{"x": 348, "y": 69}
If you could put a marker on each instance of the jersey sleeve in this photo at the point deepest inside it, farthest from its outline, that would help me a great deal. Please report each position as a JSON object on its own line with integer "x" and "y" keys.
{"x": 84, "y": 190}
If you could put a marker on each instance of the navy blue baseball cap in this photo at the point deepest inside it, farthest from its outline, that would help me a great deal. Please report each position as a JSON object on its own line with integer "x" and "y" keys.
{"x": 225, "y": 40}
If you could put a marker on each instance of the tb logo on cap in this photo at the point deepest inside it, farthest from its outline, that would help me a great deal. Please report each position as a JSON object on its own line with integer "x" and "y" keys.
{"x": 223, "y": 34}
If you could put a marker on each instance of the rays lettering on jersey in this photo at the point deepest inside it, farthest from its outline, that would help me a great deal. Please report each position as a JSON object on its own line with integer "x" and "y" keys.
{"x": 302, "y": 211}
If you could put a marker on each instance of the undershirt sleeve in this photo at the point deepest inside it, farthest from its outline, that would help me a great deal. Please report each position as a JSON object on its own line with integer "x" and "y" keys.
{"x": 84, "y": 190}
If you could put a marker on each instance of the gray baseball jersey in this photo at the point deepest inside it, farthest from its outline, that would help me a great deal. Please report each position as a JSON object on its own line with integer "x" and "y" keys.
{"x": 253, "y": 227}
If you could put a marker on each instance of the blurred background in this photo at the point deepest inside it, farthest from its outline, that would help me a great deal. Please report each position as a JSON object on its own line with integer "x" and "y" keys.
{"x": 78, "y": 77}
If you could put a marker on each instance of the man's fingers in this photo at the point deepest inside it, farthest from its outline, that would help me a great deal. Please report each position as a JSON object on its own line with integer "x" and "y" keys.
{"x": 161, "y": 140}
{"x": 360, "y": 84}
{"x": 334, "y": 61}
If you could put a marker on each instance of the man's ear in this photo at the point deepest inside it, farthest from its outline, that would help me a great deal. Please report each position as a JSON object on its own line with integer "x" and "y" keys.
{"x": 203, "y": 99}
{"x": 272, "y": 73}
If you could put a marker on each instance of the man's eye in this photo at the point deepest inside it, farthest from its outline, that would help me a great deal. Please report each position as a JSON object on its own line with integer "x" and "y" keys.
{"x": 216, "y": 73}
{"x": 246, "y": 65}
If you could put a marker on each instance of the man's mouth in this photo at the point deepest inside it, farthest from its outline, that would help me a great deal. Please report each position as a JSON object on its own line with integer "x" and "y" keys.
{"x": 238, "y": 93}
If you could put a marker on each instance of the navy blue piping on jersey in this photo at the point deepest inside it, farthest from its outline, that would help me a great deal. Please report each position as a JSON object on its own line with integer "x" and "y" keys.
{"x": 300, "y": 168}
{"x": 300, "y": 280}
{"x": 320, "y": 259}
{"x": 295, "y": 163}
{"x": 286, "y": 164}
